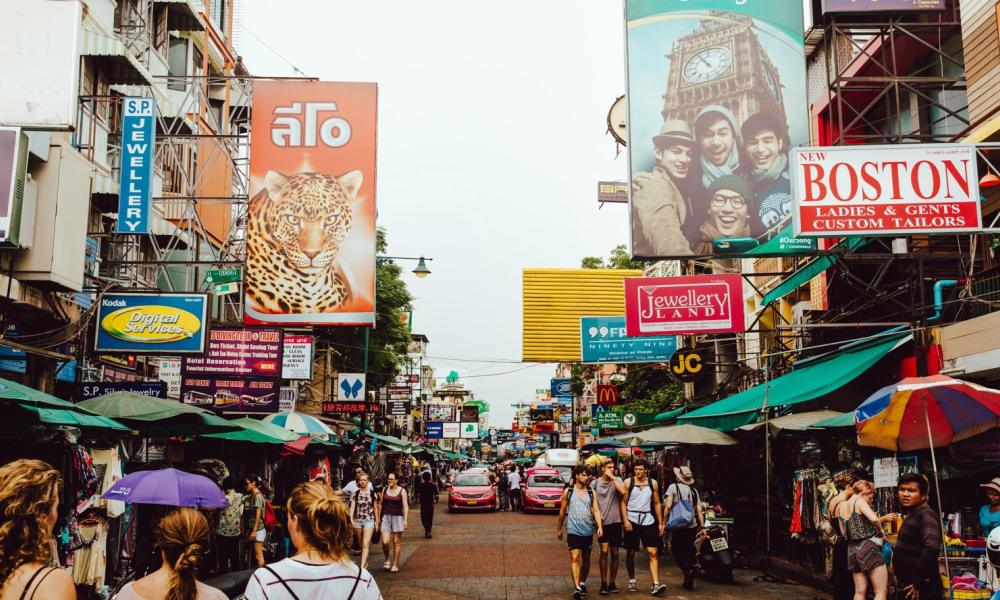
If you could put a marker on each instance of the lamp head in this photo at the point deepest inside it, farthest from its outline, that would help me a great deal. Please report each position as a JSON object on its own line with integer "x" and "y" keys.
{"x": 421, "y": 270}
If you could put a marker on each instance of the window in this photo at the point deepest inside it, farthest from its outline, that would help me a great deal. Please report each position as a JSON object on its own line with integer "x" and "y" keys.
{"x": 161, "y": 31}
{"x": 177, "y": 64}
{"x": 219, "y": 10}
{"x": 472, "y": 481}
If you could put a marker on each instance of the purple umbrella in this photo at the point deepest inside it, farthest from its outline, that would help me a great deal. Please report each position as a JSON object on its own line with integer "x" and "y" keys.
{"x": 169, "y": 487}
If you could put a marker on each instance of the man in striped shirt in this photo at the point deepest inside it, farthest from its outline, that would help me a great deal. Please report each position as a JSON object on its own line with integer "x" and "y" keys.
{"x": 915, "y": 557}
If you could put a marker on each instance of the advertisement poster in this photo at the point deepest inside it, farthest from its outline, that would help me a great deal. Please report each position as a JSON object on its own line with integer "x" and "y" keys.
{"x": 451, "y": 430}
{"x": 560, "y": 388}
{"x": 433, "y": 431}
{"x": 170, "y": 373}
{"x": 297, "y": 357}
{"x": 715, "y": 102}
{"x": 311, "y": 223}
{"x": 238, "y": 352}
{"x": 886, "y": 190}
{"x": 231, "y": 394}
{"x": 152, "y": 323}
{"x": 684, "y": 305}
{"x": 439, "y": 412}
{"x": 604, "y": 340}
{"x": 135, "y": 200}
{"x": 155, "y": 389}
{"x": 614, "y": 419}
{"x": 351, "y": 387}
{"x": 470, "y": 431}
{"x": 858, "y": 6}
{"x": 287, "y": 397}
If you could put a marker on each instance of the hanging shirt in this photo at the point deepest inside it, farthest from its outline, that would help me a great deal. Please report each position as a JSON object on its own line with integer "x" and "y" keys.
{"x": 112, "y": 462}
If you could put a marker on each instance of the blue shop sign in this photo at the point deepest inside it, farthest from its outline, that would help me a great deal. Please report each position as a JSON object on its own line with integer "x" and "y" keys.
{"x": 433, "y": 430}
{"x": 135, "y": 200}
{"x": 152, "y": 323}
{"x": 603, "y": 340}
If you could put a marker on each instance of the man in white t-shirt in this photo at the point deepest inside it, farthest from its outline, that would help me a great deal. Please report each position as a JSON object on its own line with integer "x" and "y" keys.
{"x": 515, "y": 488}
{"x": 352, "y": 486}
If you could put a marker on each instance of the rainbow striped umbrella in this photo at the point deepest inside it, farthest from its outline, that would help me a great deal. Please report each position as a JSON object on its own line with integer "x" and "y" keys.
{"x": 926, "y": 412}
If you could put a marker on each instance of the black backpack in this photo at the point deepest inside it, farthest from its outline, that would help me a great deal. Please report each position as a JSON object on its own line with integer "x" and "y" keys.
{"x": 653, "y": 491}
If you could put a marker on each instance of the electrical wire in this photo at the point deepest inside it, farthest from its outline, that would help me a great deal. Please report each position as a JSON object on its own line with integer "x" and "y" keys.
{"x": 294, "y": 68}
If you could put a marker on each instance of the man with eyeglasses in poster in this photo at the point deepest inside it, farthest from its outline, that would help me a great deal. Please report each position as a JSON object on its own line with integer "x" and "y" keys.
{"x": 728, "y": 215}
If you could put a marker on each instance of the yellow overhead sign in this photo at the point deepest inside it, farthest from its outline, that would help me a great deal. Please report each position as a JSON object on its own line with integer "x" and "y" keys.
{"x": 553, "y": 302}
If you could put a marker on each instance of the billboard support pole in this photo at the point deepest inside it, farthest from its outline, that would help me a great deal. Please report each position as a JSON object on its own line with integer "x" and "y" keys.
{"x": 364, "y": 416}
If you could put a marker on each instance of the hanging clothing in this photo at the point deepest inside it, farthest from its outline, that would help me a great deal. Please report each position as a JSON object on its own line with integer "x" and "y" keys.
{"x": 112, "y": 471}
{"x": 90, "y": 561}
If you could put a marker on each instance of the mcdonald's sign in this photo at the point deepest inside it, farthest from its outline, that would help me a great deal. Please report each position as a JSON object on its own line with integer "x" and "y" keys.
{"x": 607, "y": 395}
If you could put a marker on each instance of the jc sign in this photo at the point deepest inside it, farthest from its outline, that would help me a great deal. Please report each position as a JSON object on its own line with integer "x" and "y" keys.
{"x": 687, "y": 365}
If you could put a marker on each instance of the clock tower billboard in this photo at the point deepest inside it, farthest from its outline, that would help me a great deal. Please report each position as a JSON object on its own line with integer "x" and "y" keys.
{"x": 716, "y": 97}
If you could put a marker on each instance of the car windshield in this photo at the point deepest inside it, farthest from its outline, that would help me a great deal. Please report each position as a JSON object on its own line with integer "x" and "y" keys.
{"x": 472, "y": 480}
{"x": 565, "y": 472}
{"x": 545, "y": 480}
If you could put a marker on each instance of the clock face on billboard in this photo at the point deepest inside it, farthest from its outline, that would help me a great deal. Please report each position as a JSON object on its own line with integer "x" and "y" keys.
{"x": 769, "y": 81}
{"x": 708, "y": 64}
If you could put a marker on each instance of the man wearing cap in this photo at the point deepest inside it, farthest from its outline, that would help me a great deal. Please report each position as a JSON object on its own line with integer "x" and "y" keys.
{"x": 989, "y": 514}
{"x": 660, "y": 209}
{"x": 683, "y": 539}
{"x": 764, "y": 143}
{"x": 730, "y": 198}
{"x": 717, "y": 134}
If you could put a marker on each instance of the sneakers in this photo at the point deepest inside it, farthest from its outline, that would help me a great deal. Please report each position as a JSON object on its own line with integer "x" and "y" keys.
{"x": 604, "y": 588}
{"x": 631, "y": 586}
{"x": 583, "y": 588}
{"x": 612, "y": 588}
{"x": 577, "y": 594}
{"x": 657, "y": 589}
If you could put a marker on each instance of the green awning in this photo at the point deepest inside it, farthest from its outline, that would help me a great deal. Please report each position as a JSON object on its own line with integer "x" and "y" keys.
{"x": 670, "y": 415}
{"x": 799, "y": 278}
{"x": 814, "y": 379}
{"x": 393, "y": 443}
{"x": 844, "y": 420}
{"x": 784, "y": 243}
{"x": 255, "y": 431}
{"x": 157, "y": 417}
{"x": 32, "y": 415}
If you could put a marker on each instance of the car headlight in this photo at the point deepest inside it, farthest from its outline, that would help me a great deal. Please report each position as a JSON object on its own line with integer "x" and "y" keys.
{"x": 530, "y": 495}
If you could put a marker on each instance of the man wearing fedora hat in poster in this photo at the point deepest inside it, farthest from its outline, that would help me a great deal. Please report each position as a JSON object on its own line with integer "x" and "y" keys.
{"x": 683, "y": 539}
{"x": 660, "y": 208}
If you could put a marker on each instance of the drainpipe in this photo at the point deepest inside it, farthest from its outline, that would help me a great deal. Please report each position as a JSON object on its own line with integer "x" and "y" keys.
{"x": 939, "y": 295}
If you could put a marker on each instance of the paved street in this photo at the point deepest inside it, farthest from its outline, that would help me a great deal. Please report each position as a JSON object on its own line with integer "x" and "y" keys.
{"x": 511, "y": 556}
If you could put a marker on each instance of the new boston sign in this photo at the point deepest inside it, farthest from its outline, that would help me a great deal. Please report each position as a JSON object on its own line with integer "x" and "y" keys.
{"x": 604, "y": 340}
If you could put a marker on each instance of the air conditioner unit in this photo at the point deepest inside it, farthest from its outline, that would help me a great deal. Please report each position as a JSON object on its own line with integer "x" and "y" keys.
{"x": 13, "y": 177}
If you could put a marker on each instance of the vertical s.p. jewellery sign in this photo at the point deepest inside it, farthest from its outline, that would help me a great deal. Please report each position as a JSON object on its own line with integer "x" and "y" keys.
{"x": 135, "y": 201}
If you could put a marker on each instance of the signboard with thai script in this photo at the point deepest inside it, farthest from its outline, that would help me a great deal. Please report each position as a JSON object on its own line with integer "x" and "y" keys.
{"x": 152, "y": 323}
{"x": 249, "y": 352}
{"x": 170, "y": 373}
{"x": 135, "y": 200}
{"x": 627, "y": 419}
{"x": 898, "y": 189}
{"x": 231, "y": 394}
{"x": 605, "y": 340}
{"x": 297, "y": 357}
{"x": 684, "y": 305}
{"x": 881, "y": 6}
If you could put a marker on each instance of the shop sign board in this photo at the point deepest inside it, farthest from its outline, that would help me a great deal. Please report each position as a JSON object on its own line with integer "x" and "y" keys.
{"x": 470, "y": 431}
{"x": 319, "y": 135}
{"x": 170, "y": 373}
{"x": 351, "y": 387}
{"x": 135, "y": 200}
{"x": 506, "y": 435}
{"x": 859, "y": 6}
{"x": 691, "y": 304}
{"x": 605, "y": 340}
{"x": 560, "y": 388}
{"x": 154, "y": 389}
{"x": 565, "y": 418}
{"x": 688, "y": 365}
{"x": 244, "y": 352}
{"x": 399, "y": 408}
{"x": 607, "y": 395}
{"x": 287, "y": 397}
{"x": 541, "y": 414}
{"x": 886, "y": 472}
{"x": 469, "y": 413}
{"x": 297, "y": 357}
{"x": 224, "y": 276}
{"x": 908, "y": 189}
{"x": 548, "y": 427}
{"x": 623, "y": 419}
{"x": 433, "y": 430}
{"x": 612, "y": 191}
{"x": 124, "y": 361}
{"x": 714, "y": 83}
{"x": 440, "y": 412}
{"x": 231, "y": 394}
{"x": 152, "y": 323}
{"x": 451, "y": 430}
{"x": 355, "y": 407}
{"x": 566, "y": 402}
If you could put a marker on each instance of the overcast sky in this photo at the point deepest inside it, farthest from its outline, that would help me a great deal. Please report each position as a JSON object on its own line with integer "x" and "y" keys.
{"x": 492, "y": 121}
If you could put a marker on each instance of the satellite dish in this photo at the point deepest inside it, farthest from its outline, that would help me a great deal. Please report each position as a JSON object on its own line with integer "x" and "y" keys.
{"x": 617, "y": 120}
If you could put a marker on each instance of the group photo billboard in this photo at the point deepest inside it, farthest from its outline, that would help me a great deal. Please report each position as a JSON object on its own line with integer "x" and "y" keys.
{"x": 311, "y": 223}
{"x": 899, "y": 189}
{"x": 715, "y": 101}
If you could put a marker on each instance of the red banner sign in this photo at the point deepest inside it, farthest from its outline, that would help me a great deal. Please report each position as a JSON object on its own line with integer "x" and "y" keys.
{"x": 607, "y": 395}
{"x": 683, "y": 305}
{"x": 885, "y": 190}
{"x": 544, "y": 427}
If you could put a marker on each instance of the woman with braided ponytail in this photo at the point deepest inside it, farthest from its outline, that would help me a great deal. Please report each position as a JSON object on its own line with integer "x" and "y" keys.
{"x": 320, "y": 526}
{"x": 181, "y": 537}
{"x": 29, "y": 503}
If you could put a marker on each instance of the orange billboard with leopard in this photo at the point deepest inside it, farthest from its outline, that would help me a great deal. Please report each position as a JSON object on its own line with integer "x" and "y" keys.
{"x": 311, "y": 220}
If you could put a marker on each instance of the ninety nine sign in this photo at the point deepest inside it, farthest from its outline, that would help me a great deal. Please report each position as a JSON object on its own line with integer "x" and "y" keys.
{"x": 681, "y": 305}
{"x": 885, "y": 190}
{"x": 135, "y": 200}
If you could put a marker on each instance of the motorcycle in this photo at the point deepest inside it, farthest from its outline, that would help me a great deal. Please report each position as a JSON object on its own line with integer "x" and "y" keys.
{"x": 233, "y": 585}
{"x": 712, "y": 553}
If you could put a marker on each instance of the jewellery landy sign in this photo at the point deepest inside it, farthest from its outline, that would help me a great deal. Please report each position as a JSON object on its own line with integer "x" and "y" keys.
{"x": 681, "y": 305}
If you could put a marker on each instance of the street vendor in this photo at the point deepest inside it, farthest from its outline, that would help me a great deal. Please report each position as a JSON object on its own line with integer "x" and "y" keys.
{"x": 989, "y": 514}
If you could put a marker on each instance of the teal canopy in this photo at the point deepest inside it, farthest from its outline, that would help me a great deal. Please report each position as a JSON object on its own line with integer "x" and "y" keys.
{"x": 799, "y": 278}
{"x": 813, "y": 379}
{"x": 670, "y": 415}
{"x": 844, "y": 420}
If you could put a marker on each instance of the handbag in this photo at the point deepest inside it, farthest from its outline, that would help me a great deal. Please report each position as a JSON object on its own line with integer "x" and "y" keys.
{"x": 681, "y": 513}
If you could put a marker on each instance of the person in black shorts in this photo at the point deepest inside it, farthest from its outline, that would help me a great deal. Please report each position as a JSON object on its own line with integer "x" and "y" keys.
{"x": 580, "y": 512}
{"x": 609, "y": 489}
{"x": 428, "y": 494}
{"x": 643, "y": 524}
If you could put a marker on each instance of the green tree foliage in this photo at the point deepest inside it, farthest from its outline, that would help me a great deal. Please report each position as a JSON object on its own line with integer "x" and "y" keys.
{"x": 644, "y": 388}
{"x": 389, "y": 340}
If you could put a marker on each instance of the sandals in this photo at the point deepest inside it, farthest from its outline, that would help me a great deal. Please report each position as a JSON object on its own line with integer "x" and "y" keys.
{"x": 394, "y": 570}
{"x": 385, "y": 566}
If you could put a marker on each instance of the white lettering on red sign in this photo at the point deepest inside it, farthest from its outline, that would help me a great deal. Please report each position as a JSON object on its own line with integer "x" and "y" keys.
{"x": 694, "y": 304}
{"x": 299, "y": 126}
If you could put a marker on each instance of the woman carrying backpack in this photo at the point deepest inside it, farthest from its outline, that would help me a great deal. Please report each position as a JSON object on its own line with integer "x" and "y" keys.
{"x": 256, "y": 533}
{"x": 365, "y": 509}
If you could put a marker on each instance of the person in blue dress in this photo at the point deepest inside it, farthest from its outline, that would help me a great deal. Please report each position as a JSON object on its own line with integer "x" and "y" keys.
{"x": 989, "y": 514}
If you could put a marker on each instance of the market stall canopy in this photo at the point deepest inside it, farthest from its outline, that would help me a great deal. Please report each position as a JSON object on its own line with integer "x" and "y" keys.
{"x": 926, "y": 412}
{"x": 15, "y": 393}
{"x": 393, "y": 443}
{"x": 167, "y": 487}
{"x": 524, "y": 459}
{"x": 157, "y": 417}
{"x": 608, "y": 442}
{"x": 670, "y": 415}
{"x": 844, "y": 420}
{"x": 814, "y": 378}
{"x": 798, "y": 422}
{"x": 252, "y": 430}
{"x": 19, "y": 415}
{"x": 678, "y": 434}
{"x": 300, "y": 423}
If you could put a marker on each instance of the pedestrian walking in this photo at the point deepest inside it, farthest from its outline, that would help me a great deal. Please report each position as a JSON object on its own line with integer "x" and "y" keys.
{"x": 256, "y": 534}
{"x": 683, "y": 538}
{"x": 182, "y": 537}
{"x": 428, "y": 493}
{"x": 582, "y": 515}
{"x": 841, "y": 578}
{"x": 321, "y": 530}
{"x": 643, "y": 524}
{"x": 229, "y": 530}
{"x": 609, "y": 489}
{"x": 29, "y": 501}
{"x": 865, "y": 536}
{"x": 395, "y": 517}
{"x": 514, "y": 480}
{"x": 364, "y": 511}
{"x": 915, "y": 557}
{"x": 503, "y": 489}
